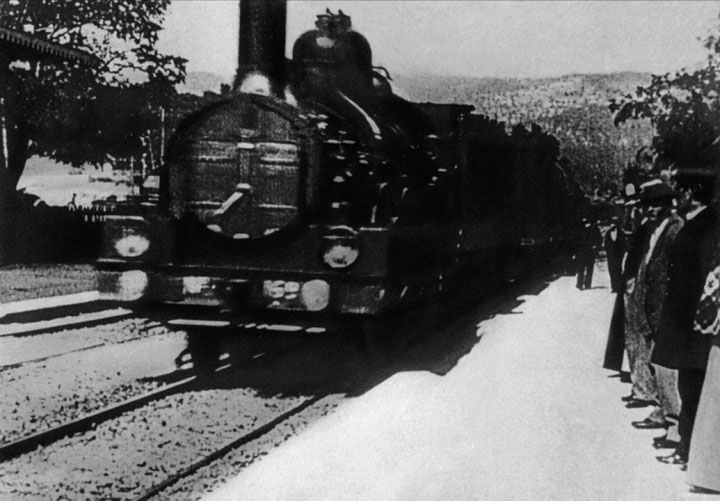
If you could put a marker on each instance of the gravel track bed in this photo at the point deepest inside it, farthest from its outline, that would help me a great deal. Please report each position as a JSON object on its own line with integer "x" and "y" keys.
{"x": 216, "y": 474}
{"x": 38, "y": 396}
{"x": 125, "y": 456}
{"x": 15, "y": 350}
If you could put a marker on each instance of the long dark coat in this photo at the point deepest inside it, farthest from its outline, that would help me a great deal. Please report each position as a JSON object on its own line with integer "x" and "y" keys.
{"x": 615, "y": 347}
{"x": 665, "y": 380}
{"x": 677, "y": 346}
{"x": 656, "y": 275}
{"x": 615, "y": 250}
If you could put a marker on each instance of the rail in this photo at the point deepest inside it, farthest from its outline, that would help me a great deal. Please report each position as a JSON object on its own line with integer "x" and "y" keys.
{"x": 142, "y": 335}
{"x": 85, "y": 423}
{"x": 240, "y": 441}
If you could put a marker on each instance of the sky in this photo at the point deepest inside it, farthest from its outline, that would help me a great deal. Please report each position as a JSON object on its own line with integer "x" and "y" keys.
{"x": 525, "y": 39}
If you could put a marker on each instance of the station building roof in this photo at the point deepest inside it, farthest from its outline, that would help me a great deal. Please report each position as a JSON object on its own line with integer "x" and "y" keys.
{"x": 21, "y": 44}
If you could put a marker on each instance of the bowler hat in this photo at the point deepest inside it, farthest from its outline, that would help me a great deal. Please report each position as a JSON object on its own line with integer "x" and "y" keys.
{"x": 656, "y": 192}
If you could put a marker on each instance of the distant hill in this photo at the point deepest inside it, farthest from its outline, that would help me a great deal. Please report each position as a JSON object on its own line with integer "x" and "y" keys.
{"x": 198, "y": 82}
{"x": 488, "y": 93}
{"x": 574, "y": 108}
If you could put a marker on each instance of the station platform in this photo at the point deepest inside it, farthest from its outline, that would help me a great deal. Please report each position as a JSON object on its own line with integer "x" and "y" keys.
{"x": 529, "y": 413}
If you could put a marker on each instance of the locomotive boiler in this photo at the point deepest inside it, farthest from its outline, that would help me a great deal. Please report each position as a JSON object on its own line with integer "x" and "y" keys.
{"x": 315, "y": 196}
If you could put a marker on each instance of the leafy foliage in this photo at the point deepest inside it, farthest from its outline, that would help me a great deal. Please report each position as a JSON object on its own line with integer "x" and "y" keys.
{"x": 76, "y": 113}
{"x": 684, "y": 109}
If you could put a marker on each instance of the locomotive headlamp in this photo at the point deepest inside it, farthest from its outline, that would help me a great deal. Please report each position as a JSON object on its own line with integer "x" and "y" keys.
{"x": 127, "y": 237}
{"x": 132, "y": 245}
{"x": 131, "y": 285}
{"x": 340, "y": 247}
{"x": 315, "y": 295}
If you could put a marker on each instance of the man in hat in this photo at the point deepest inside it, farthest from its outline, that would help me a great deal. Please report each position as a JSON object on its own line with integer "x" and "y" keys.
{"x": 614, "y": 243}
{"x": 617, "y": 247}
{"x": 588, "y": 244}
{"x": 661, "y": 200}
{"x": 654, "y": 201}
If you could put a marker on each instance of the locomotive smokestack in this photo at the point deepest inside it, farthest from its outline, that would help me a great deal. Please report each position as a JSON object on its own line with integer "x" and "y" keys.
{"x": 261, "y": 54}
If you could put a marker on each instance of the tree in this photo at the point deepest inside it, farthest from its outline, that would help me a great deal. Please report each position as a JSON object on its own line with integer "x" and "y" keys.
{"x": 684, "y": 109}
{"x": 75, "y": 113}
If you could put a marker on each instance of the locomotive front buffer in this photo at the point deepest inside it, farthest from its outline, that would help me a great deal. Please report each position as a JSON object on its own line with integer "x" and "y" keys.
{"x": 316, "y": 278}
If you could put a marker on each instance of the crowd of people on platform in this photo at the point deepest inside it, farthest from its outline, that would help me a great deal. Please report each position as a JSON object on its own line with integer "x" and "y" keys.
{"x": 664, "y": 264}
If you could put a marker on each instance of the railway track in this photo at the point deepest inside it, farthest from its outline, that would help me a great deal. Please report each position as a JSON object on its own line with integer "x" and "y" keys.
{"x": 33, "y": 449}
{"x": 168, "y": 476}
{"x": 76, "y": 435}
{"x": 108, "y": 434}
{"x": 224, "y": 450}
{"x": 92, "y": 368}
{"x": 85, "y": 423}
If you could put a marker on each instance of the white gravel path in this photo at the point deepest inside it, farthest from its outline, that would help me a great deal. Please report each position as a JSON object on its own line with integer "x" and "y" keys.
{"x": 528, "y": 414}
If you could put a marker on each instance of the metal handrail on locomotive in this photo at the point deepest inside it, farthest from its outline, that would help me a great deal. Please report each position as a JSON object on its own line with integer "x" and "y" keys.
{"x": 315, "y": 192}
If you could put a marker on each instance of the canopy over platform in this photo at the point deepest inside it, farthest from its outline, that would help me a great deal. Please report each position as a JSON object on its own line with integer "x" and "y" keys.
{"x": 17, "y": 44}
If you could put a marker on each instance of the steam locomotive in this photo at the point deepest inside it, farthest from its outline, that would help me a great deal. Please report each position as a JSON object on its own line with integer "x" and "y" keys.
{"x": 316, "y": 195}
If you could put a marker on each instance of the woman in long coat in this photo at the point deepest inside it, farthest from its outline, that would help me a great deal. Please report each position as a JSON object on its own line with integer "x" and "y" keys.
{"x": 637, "y": 329}
{"x": 704, "y": 462}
